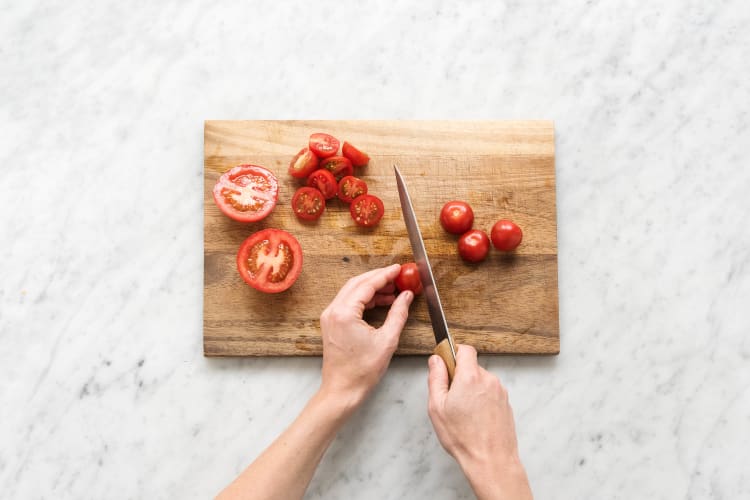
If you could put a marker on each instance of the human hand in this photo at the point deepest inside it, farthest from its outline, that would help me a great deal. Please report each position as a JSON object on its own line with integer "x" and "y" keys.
{"x": 474, "y": 423}
{"x": 355, "y": 354}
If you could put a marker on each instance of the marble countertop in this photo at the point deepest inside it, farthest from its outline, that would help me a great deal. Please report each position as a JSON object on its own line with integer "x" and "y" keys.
{"x": 105, "y": 391}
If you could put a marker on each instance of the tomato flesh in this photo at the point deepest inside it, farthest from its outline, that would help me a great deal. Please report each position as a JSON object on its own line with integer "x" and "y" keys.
{"x": 303, "y": 164}
{"x": 350, "y": 187}
{"x": 246, "y": 193}
{"x": 506, "y": 235}
{"x": 408, "y": 278}
{"x": 323, "y": 181}
{"x": 366, "y": 210}
{"x": 339, "y": 166}
{"x": 308, "y": 203}
{"x": 456, "y": 217}
{"x": 270, "y": 260}
{"x": 323, "y": 145}
{"x": 357, "y": 157}
{"x": 474, "y": 246}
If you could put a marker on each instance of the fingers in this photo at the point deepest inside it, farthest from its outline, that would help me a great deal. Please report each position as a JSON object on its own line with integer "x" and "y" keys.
{"x": 381, "y": 300}
{"x": 397, "y": 316}
{"x": 389, "y": 288}
{"x": 466, "y": 359}
{"x": 437, "y": 381}
{"x": 365, "y": 286}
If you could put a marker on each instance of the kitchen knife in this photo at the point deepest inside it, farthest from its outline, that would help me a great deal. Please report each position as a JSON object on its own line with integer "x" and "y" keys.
{"x": 445, "y": 347}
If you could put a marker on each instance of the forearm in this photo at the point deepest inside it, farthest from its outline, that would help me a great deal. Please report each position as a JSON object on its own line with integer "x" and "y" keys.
{"x": 493, "y": 480}
{"x": 284, "y": 469}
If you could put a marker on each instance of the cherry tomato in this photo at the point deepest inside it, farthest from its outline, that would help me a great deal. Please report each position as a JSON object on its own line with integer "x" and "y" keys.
{"x": 323, "y": 181}
{"x": 366, "y": 210}
{"x": 324, "y": 145}
{"x": 473, "y": 246}
{"x": 308, "y": 203}
{"x": 339, "y": 166}
{"x": 350, "y": 187}
{"x": 506, "y": 235}
{"x": 408, "y": 278}
{"x": 270, "y": 260}
{"x": 357, "y": 157}
{"x": 303, "y": 164}
{"x": 246, "y": 193}
{"x": 456, "y": 217}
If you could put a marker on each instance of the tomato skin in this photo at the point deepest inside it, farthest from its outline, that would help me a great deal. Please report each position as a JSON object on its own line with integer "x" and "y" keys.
{"x": 456, "y": 217}
{"x": 234, "y": 183}
{"x": 366, "y": 210}
{"x": 506, "y": 235}
{"x": 323, "y": 145}
{"x": 357, "y": 157}
{"x": 408, "y": 278}
{"x": 303, "y": 164}
{"x": 350, "y": 187}
{"x": 267, "y": 251}
{"x": 308, "y": 203}
{"x": 325, "y": 182}
{"x": 339, "y": 166}
{"x": 473, "y": 246}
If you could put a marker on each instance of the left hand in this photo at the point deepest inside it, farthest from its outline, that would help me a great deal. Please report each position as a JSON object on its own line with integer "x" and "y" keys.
{"x": 355, "y": 354}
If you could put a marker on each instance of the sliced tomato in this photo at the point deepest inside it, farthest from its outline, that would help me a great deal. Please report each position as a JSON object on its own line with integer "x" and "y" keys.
{"x": 350, "y": 187}
{"x": 357, "y": 157}
{"x": 324, "y": 145}
{"x": 270, "y": 260}
{"x": 366, "y": 210}
{"x": 323, "y": 181}
{"x": 303, "y": 164}
{"x": 308, "y": 203}
{"x": 246, "y": 193}
{"x": 339, "y": 166}
{"x": 408, "y": 278}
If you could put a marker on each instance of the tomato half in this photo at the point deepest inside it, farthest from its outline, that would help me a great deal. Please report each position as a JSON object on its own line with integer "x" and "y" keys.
{"x": 357, "y": 157}
{"x": 366, "y": 210}
{"x": 270, "y": 260}
{"x": 506, "y": 235}
{"x": 246, "y": 193}
{"x": 456, "y": 217}
{"x": 303, "y": 164}
{"x": 350, "y": 187}
{"x": 408, "y": 278}
{"x": 339, "y": 166}
{"x": 323, "y": 181}
{"x": 324, "y": 145}
{"x": 308, "y": 203}
{"x": 473, "y": 246}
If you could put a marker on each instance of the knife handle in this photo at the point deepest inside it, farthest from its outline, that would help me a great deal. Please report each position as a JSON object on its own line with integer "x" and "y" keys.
{"x": 443, "y": 349}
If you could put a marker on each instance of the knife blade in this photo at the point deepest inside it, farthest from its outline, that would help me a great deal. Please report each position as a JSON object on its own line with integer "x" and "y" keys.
{"x": 443, "y": 340}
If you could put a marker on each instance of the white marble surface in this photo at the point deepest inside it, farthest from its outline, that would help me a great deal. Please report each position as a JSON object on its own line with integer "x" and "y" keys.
{"x": 105, "y": 392}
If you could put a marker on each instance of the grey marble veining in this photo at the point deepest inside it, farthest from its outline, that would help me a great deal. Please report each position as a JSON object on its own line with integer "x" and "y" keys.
{"x": 105, "y": 393}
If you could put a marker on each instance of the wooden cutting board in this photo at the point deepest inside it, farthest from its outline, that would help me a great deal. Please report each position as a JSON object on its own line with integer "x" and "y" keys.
{"x": 504, "y": 169}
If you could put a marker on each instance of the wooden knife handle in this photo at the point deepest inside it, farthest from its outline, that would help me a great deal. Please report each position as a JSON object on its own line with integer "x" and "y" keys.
{"x": 443, "y": 349}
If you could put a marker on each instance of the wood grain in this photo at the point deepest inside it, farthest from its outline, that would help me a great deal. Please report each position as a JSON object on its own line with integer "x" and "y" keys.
{"x": 507, "y": 304}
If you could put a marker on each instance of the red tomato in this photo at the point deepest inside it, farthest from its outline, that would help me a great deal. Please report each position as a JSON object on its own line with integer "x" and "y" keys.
{"x": 506, "y": 235}
{"x": 366, "y": 210}
{"x": 339, "y": 166}
{"x": 324, "y": 145}
{"x": 350, "y": 187}
{"x": 473, "y": 246}
{"x": 456, "y": 217}
{"x": 323, "y": 181}
{"x": 246, "y": 193}
{"x": 270, "y": 260}
{"x": 408, "y": 278}
{"x": 357, "y": 157}
{"x": 303, "y": 164}
{"x": 308, "y": 203}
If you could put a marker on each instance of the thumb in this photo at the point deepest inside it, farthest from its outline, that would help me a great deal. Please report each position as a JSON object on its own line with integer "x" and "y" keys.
{"x": 397, "y": 316}
{"x": 437, "y": 381}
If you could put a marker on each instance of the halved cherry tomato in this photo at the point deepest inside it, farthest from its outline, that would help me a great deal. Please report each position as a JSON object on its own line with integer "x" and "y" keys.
{"x": 339, "y": 166}
{"x": 456, "y": 217}
{"x": 324, "y": 145}
{"x": 323, "y": 181}
{"x": 366, "y": 210}
{"x": 350, "y": 187}
{"x": 308, "y": 203}
{"x": 270, "y": 260}
{"x": 303, "y": 164}
{"x": 408, "y": 278}
{"x": 506, "y": 235}
{"x": 473, "y": 246}
{"x": 357, "y": 157}
{"x": 246, "y": 193}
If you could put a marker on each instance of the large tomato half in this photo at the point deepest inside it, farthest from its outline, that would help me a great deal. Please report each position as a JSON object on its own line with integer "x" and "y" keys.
{"x": 270, "y": 260}
{"x": 246, "y": 193}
